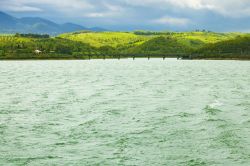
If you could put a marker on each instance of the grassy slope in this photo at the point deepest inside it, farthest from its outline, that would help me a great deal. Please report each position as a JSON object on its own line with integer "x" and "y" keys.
{"x": 238, "y": 47}
{"x": 130, "y": 41}
{"x": 162, "y": 45}
{"x": 9, "y": 39}
{"x": 113, "y": 39}
{"x": 206, "y": 37}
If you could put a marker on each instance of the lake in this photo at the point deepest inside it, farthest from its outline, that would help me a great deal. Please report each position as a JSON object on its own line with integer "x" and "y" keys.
{"x": 125, "y": 112}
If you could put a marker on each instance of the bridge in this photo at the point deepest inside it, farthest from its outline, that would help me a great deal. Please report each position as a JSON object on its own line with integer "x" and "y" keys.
{"x": 149, "y": 56}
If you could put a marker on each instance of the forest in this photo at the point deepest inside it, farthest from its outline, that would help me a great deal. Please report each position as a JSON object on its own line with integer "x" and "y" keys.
{"x": 93, "y": 45}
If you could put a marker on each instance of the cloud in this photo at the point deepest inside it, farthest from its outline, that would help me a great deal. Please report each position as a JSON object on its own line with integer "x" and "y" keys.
{"x": 154, "y": 14}
{"x": 172, "y": 21}
{"x": 16, "y": 6}
{"x": 106, "y": 10}
{"x": 232, "y": 8}
{"x": 38, "y": 5}
{"x": 240, "y": 8}
{"x": 193, "y": 4}
{"x": 23, "y": 8}
{"x": 95, "y": 15}
{"x": 63, "y": 4}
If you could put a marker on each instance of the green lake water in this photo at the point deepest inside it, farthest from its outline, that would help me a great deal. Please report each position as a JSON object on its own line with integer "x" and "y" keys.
{"x": 125, "y": 112}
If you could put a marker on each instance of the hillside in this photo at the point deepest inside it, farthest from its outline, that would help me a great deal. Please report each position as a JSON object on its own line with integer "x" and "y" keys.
{"x": 112, "y": 39}
{"x": 16, "y": 47}
{"x": 237, "y": 48}
{"x": 86, "y": 44}
{"x": 141, "y": 42}
{"x": 161, "y": 45}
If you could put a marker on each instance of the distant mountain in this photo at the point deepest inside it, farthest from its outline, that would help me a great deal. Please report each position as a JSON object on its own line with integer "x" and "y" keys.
{"x": 10, "y": 24}
{"x": 70, "y": 27}
{"x": 7, "y": 21}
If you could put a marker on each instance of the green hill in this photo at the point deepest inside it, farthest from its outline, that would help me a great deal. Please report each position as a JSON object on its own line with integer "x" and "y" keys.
{"x": 126, "y": 40}
{"x": 237, "y": 48}
{"x": 147, "y": 42}
{"x": 161, "y": 45}
{"x": 112, "y": 39}
{"x": 15, "y": 47}
{"x": 86, "y": 44}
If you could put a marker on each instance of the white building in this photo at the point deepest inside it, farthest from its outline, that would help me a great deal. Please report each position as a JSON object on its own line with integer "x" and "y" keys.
{"x": 38, "y": 51}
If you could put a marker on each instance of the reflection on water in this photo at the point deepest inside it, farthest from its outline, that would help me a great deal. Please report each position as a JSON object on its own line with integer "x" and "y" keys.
{"x": 125, "y": 112}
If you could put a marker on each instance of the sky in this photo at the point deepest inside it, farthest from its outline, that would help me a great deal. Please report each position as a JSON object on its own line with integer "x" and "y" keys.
{"x": 126, "y": 15}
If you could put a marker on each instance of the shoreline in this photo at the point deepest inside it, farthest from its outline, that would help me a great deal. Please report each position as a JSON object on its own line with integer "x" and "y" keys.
{"x": 72, "y": 59}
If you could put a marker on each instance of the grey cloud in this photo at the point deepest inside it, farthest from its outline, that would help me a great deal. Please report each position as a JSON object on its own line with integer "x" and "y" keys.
{"x": 220, "y": 15}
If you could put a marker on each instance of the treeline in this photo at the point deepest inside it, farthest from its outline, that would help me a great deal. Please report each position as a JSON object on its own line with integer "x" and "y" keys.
{"x": 30, "y": 35}
{"x": 152, "y": 33}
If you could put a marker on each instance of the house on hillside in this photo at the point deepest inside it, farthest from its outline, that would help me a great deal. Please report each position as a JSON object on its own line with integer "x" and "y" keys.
{"x": 38, "y": 51}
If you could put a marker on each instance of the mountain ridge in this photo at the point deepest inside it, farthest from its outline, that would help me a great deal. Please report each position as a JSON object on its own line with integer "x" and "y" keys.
{"x": 10, "y": 24}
